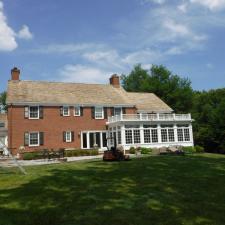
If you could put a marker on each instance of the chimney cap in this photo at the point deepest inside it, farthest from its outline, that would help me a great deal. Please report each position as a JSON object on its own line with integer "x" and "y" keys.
{"x": 15, "y": 69}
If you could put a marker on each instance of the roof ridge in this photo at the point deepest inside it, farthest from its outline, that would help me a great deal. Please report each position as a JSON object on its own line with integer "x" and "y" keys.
{"x": 60, "y": 82}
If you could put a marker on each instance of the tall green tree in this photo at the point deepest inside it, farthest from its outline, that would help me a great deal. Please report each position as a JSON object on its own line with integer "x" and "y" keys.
{"x": 174, "y": 90}
{"x": 3, "y": 106}
{"x": 209, "y": 126}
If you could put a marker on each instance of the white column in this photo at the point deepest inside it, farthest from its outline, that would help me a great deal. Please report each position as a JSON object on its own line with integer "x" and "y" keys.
{"x": 191, "y": 134}
{"x": 159, "y": 133}
{"x": 123, "y": 140}
{"x": 88, "y": 142}
{"x": 81, "y": 140}
{"x": 101, "y": 144}
{"x": 142, "y": 133}
{"x": 175, "y": 133}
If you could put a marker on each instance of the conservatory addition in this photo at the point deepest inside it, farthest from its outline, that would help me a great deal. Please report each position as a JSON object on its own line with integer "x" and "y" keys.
{"x": 150, "y": 130}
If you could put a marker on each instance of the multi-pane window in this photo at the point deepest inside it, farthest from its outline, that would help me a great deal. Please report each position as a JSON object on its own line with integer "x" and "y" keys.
{"x": 150, "y": 134}
{"x": 171, "y": 135}
{"x": 34, "y": 112}
{"x": 137, "y": 138}
{"x": 68, "y": 136}
{"x": 128, "y": 136}
{"x": 180, "y": 134}
{"x": 147, "y": 135}
{"x": 183, "y": 133}
{"x": 34, "y": 139}
{"x": 66, "y": 111}
{"x": 167, "y": 133}
{"x": 117, "y": 111}
{"x": 76, "y": 110}
{"x": 99, "y": 113}
{"x": 186, "y": 134}
{"x": 164, "y": 136}
{"x": 2, "y": 124}
{"x": 132, "y": 134}
{"x": 154, "y": 135}
{"x": 119, "y": 135}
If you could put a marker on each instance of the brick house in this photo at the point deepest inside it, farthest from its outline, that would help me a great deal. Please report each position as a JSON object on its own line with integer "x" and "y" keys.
{"x": 56, "y": 115}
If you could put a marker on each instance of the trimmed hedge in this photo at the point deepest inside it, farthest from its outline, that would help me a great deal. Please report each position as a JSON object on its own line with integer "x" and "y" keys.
{"x": 146, "y": 150}
{"x": 32, "y": 155}
{"x": 80, "y": 152}
{"x": 142, "y": 150}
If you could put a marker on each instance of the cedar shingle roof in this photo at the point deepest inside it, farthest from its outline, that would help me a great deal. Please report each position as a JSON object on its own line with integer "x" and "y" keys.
{"x": 59, "y": 93}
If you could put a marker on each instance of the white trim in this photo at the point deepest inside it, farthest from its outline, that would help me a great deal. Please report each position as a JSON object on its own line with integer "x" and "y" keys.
{"x": 102, "y": 117}
{"x": 68, "y": 110}
{"x": 34, "y": 132}
{"x": 34, "y": 118}
{"x": 76, "y": 106}
{"x": 70, "y": 137}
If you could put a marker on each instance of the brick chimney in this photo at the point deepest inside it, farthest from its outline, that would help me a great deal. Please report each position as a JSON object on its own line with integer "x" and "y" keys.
{"x": 15, "y": 74}
{"x": 115, "y": 80}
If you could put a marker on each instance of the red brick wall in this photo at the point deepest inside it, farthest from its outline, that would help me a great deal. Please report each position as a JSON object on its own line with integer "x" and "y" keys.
{"x": 53, "y": 126}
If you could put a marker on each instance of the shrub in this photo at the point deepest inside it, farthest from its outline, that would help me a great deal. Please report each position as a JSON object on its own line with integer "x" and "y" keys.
{"x": 132, "y": 150}
{"x": 188, "y": 149}
{"x": 146, "y": 150}
{"x": 80, "y": 152}
{"x": 199, "y": 149}
{"x": 31, "y": 155}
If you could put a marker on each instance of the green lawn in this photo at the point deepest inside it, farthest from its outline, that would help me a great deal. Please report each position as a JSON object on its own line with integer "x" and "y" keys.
{"x": 154, "y": 190}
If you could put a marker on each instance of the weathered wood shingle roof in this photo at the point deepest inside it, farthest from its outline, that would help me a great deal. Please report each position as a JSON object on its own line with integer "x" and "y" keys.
{"x": 59, "y": 93}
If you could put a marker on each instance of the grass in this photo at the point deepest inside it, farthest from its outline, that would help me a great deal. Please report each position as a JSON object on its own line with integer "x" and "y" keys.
{"x": 152, "y": 190}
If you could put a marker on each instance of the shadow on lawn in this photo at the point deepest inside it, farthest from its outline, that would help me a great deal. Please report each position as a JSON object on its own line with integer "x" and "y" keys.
{"x": 157, "y": 190}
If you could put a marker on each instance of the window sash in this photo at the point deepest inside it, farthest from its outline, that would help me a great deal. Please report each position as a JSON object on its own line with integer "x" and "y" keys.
{"x": 68, "y": 136}
{"x": 76, "y": 110}
{"x": 117, "y": 111}
{"x": 99, "y": 113}
{"x": 34, "y": 139}
{"x": 66, "y": 110}
{"x": 34, "y": 112}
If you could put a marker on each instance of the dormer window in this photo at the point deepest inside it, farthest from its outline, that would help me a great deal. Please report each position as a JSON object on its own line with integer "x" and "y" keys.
{"x": 34, "y": 112}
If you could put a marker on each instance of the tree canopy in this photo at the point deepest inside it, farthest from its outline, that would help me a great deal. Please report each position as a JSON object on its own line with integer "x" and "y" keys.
{"x": 174, "y": 90}
{"x": 207, "y": 107}
{"x": 3, "y": 101}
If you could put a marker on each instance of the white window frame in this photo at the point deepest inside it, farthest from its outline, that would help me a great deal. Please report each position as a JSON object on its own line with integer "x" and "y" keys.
{"x": 38, "y": 144}
{"x": 68, "y": 140}
{"x": 34, "y": 118}
{"x": 68, "y": 111}
{"x": 121, "y": 111}
{"x": 102, "y": 116}
{"x": 76, "y": 107}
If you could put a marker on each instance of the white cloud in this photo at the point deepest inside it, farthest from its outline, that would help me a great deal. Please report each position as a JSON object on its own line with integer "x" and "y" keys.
{"x": 213, "y": 5}
{"x": 7, "y": 35}
{"x": 25, "y": 33}
{"x": 176, "y": 29}
{"x": 67, "y": 48}
{"x": 83, "y": 73}
{"x": 183, "y": 7}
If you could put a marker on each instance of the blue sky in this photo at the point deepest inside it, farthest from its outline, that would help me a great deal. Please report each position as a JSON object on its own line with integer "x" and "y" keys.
{"x": 88, "y": 40}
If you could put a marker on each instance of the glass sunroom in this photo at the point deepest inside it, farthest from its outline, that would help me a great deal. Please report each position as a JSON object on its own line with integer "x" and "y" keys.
{"x": 150, "y": 130}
